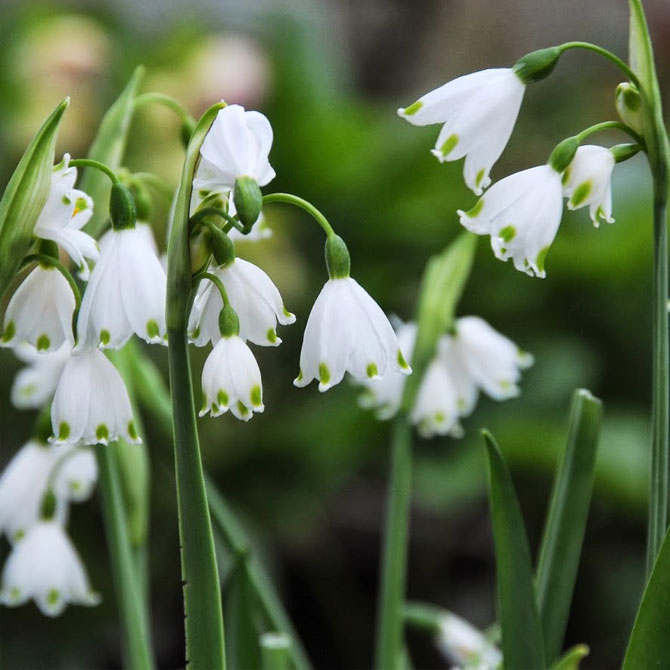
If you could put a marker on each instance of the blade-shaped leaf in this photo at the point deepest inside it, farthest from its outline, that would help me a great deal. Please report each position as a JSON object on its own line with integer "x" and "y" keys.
{"x": 522, "y": 642}
{"x": 108, "y": 147}
{"x": 25, "y": 195}
{"x": 564, "y": 528}
{"x": 649, "y": 644}
{"x": 572, "y": 658}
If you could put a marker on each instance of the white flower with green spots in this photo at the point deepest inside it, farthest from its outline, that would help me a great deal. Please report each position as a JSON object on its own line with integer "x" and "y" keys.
{"x": 40, "y": 311}
{"x": 23, "y": 484}
{"x": 76, "y": 474}
{"x": 347, "y": 331}
{"x": 252, "y": 295}
{"x": 65, "y": 212}
{"x": 35, "y": 384}
{"x": 125, "y": 294}
{"x": 463, "y": 644}
{"x": 521, "y": 213}
{"x": 490, "y": 359}
{"x": 91, "y": 403}
{"x": 587, "y": 182}
{"x": 237, "y": 145}
{"x": 478, "y": 111}
{"x": 45, "y": 566}
{"x": 231, "y": 380}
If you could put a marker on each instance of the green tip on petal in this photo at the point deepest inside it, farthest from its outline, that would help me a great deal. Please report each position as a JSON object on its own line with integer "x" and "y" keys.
{"x": 222, "y": 398}
{"x": 300, "y": 376}
{"x": 439, "y": 417}
{"x": 10, "y": 331}
{"x": 105, "y": 337}
{"x": 371, "y": 370}
{"x": 272, "y": 336}
{"x": 449, "y": 145}
{"x": 63, "y": 430}
{"x": 401, "y": 360}
{"x": 256, "y": 396}
{"x": 475, "y": 211}
{"x": 413, "y": 108}
{"x": 479, "y": 178}
{"x": 132, "y": 430}
{"x": 102, "y": 433}
{"x": 152, "y": 328}
{"x": 53, "y": 596}
{"x": 541, "y": 257}
{"x": 242, "y": 408}
{"x": 43, "y": 342}
{"x": 324, "y": 373}
{"x": 507, "y": 234}
{"x": 580, "y": 194}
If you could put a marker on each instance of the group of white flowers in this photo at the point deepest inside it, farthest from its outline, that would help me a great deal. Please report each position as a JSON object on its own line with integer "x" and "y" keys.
{"x": 62, "y": 339}
{"x": 521, "y": 212}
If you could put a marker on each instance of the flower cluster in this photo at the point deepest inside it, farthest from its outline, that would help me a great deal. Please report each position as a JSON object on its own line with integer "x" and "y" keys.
{"x": 522, "y": 212}
{"x": 474, "y": 357}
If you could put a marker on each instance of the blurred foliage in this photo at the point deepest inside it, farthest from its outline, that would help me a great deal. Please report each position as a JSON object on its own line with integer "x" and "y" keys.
{"x": 308, "y": 475}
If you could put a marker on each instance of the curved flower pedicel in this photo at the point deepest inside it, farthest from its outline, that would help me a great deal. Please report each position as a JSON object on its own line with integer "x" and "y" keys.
{"x": 40, "y": 311}
{"x": 478, "y": 111}
{"x": 66, "y": 211}
{"x": 521, "y": 213}
{"x": 91, "y": 402}
{"x": 45, "y": 566}
{"x": 346, "y": 330}
{"x": 587, "y": 182}
{"x": 252, "y": 295}
{"x": 126, "y": 292}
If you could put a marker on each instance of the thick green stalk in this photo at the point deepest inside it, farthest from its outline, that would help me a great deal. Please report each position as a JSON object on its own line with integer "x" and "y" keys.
{"x": 394, "y": 567}
{"x": 656, "y": 139}
{"x": 127, "y": 582}
{"x": 202, "y": 596}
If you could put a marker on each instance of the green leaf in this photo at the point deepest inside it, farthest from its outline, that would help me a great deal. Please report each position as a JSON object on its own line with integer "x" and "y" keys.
{"x": 441, "y": 287}
{"x": 522, "y": 642}
{"x": 25, "y": 196}
{"x": 242, "y": 631}
{"x": 649, "y": 644}
{"x": 572, "y": 658}
{"x": 108, "y": 147}
{"x": 564, "y": 528}
{"x": 640, "y": 53}
{"x": 275, "y": 651}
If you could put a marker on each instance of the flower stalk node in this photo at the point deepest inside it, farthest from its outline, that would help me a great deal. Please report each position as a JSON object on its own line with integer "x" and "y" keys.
{"x": 563, "y": 154}
{"x": 338, "y": 260}
{"x": 537, "y": 65}
{"x": 248, "y": 201}
{"x": 122, "y": 209}
{"x": 229, "y": 323}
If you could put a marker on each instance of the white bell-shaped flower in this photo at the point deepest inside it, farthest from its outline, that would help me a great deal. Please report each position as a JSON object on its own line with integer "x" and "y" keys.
{"x": 478, "y": 111}
{"x": 491, "y": 360}
{"x": 587, "y": 181}
{"x": 384, "y": 394}
{"x": 466, "y": 646}
{"x": 347, "y": 331}
{"x": 435, "y": 410}
{"x": 76, "y": 474}
{"x": 125, "y": 294}
{"x": 45, "y": 566}
{"x": 40, "y": 311}
{"x": 35, "y": 384}
{"x": 252, "y": 295}
{"x": 231, "y": 380}
{"x": 237, "y": 145}
{"x": 22, "y": 486}
{"x": 65, "y": 212}
{"x": 522, "y": 213}
{"x": 91, "y": 402}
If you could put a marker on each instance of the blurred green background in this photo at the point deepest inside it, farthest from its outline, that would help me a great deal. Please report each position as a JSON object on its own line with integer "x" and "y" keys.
{"x": 308, "y": 476}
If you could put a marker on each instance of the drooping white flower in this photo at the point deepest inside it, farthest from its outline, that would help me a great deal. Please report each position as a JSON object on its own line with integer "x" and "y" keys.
{"x": 587, "y": 182}
{"x": 237, "y": 145}
{"x": 465, "y": 645}
{"x": 231, "y": 380}
{"x": 522, "y": 213}
{"x": 45, "y": 566}
{"x": 347, "y": 332}
{"x": 478, "y": 111}
{"x": 22, "y": 487}
{"x": 91, "y": 402}
{"x": 35, "y": 384}
{"x": 385, "y": 393}
{"x": 252, "y": 295}
{"x": 125, "y": 294}
{"x": 66, "y": 211}
{"x": 492, "y": 360}
{"x": 76, "y": 474}
{"x": 435, "y": 410}
{"x": 40, "y": 311}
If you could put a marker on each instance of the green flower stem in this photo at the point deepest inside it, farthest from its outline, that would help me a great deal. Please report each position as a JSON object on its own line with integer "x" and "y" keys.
{"x": 290, "y": 199}
{"x": 216, "y": 281}
{"x": 622, "y": 65}
{"x": 89, "y": 162}
{"x": 199, "y": 219}
{"x": 394, "y": 566}
{"x": 133, "y": 614}
{"x": 54, "y": 262}
{"x": 168, "y": 102}
{"x": 609, "y": 125}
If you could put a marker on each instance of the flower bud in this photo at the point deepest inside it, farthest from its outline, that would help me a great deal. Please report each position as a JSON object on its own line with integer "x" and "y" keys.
{"x": 563, "y": 154}
{"x": 122, "y": 207}
{"x": 628, "y": 103}
{"x": 338, "y": 261}
{"x": 537, "y": 64}
{"x": 222, "y": 247}
{"x": 229, "y": 323}
{"x": 248, "y": 200}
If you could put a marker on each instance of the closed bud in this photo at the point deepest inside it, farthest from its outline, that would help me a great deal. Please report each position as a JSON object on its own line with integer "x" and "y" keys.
{"x": 537, "y": 64}
{"x": 338, "y": 261}
{"x": 563, "y": 154}
{"x": 628, "y": 104}
{"x": 248, "y": 201}
{"x": 122, "y": 208}
{"x": 222, "y": 247}
{"x": 229, "y": 323}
